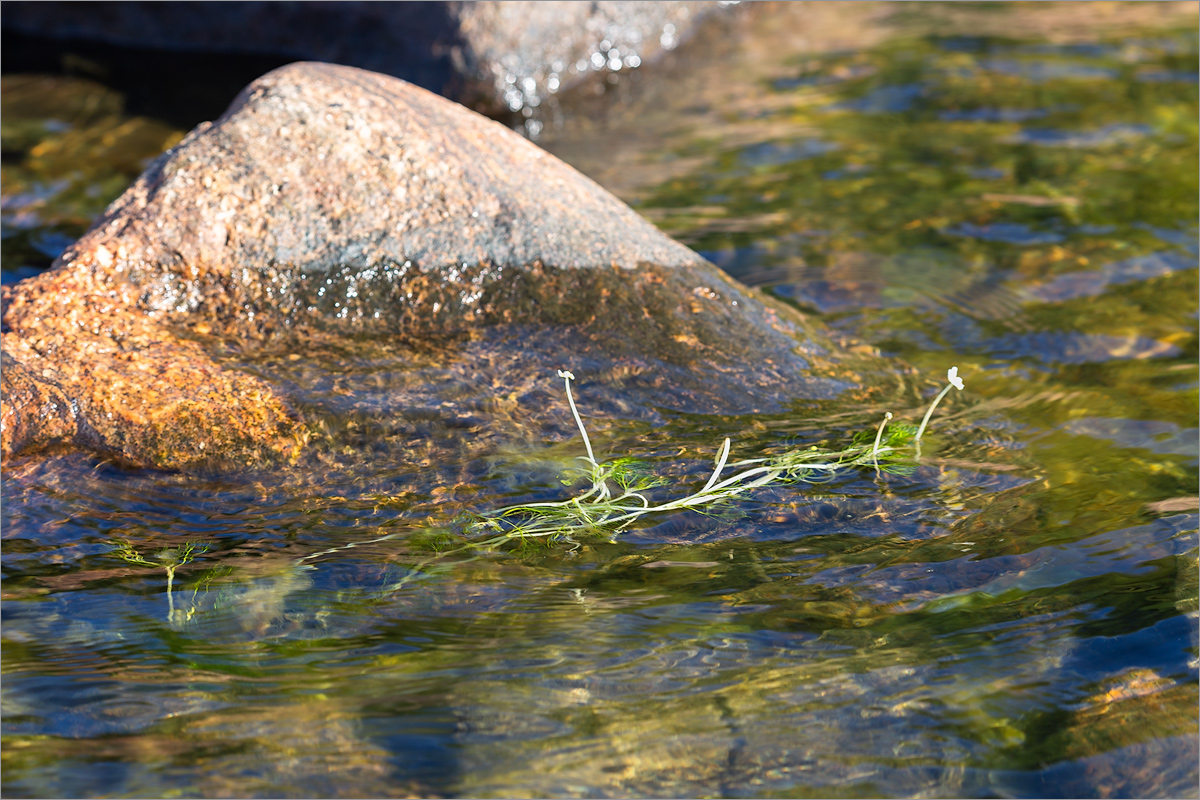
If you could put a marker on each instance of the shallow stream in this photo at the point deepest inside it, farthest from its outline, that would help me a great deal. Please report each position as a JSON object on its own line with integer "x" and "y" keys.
{"x": 1013, "y": 616}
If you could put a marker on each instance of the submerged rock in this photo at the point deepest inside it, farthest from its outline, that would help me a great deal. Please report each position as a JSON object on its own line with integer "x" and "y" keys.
{"x": 329, "y": 202}
{"x": 83, "y": 368}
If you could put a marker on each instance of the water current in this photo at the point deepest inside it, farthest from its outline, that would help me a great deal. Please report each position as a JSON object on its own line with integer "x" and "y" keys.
{"x": 1008, "y": 190}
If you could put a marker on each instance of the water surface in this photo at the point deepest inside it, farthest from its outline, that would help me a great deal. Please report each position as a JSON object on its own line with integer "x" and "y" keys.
{"x": 1014, "y": 616}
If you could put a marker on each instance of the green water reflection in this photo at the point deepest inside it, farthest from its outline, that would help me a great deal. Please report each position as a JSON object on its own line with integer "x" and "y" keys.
{"x": 1015, "y": 617}
{"x": 68, "y": 151}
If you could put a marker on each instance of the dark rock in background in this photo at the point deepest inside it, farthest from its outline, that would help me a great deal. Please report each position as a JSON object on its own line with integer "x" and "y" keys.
{"x": 497, "y": 57}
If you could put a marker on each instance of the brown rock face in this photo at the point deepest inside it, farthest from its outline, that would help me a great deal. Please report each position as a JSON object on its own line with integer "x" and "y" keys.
{"x": 83, "y": 368}
{"x": 332, "y": 201}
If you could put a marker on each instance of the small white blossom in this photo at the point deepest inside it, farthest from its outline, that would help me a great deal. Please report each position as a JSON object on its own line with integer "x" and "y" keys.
{"x": 571, "y": 376}
{"x": 951, "y": 375}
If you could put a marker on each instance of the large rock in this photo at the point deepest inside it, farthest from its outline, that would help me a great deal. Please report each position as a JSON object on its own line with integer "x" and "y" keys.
{"x": 329, "y": 201}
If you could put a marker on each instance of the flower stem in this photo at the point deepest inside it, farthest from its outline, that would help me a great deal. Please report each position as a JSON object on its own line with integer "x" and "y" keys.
{"x": 567, "y": 378}
{"x": 929, "y": 413}
{"x": 878, "y": 437}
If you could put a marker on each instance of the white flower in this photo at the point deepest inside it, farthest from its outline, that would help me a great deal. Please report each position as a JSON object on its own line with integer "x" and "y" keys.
{"x": 571, "y": 376}
{"x": 951, "y": 375}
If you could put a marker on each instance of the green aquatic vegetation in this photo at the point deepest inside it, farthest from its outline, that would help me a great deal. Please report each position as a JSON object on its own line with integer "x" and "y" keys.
{"x": 169, "y": 559}
{"x": 620, "y": 492}
{"x": 618, "y": 496}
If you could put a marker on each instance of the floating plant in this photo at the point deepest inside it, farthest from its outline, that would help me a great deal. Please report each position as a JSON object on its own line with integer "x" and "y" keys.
{"x": 617, "y": 497}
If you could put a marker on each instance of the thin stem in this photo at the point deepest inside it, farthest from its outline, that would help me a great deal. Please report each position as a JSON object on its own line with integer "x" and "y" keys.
{"x": 929, "y": 413}
{"x": 878, "y": 437}
{"x": 720, "y": 466}
{"x": 347, "y": 547}
{"x": 567, "y": 378}
{"x": 170, "y": 596}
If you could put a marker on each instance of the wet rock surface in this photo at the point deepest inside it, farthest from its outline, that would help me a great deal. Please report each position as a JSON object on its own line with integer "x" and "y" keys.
{"x": 83, "y": 369}
{"x": 331, "y": 204}
{"x": 497, "y": 56}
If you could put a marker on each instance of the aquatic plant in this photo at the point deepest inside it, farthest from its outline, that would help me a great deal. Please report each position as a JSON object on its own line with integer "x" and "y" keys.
{"x": 617, "y": 497}
{"x": 169, "y": 559}
{"x": 619, "y": 494}
{"x": 955, "y": 382}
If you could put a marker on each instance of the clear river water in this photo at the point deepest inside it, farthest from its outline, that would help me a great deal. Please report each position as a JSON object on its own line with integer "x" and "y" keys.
{"x": 1011, "y": 190}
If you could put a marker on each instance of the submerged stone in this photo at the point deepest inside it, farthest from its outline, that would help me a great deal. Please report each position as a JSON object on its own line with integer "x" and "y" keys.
{"x": 329, "y": 202}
